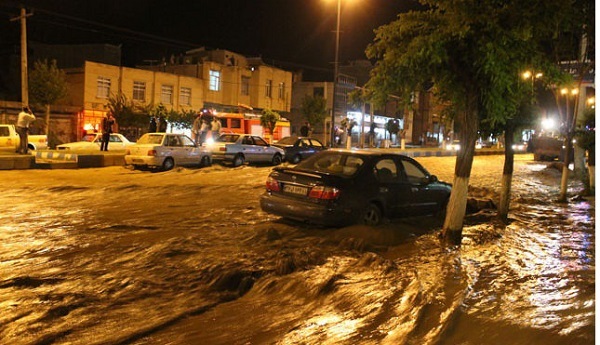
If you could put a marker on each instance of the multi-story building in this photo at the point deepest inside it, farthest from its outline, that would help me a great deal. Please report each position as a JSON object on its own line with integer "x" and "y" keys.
{"x": 91, "y": 86}
{"x": 232, "y": 81}
{"x": 219, "y": 79}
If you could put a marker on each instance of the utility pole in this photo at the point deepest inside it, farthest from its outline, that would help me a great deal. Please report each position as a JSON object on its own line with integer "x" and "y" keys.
{"x": 24, "y": 84}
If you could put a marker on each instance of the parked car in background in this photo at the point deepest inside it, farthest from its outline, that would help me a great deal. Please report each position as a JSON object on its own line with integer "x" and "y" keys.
{"x": 240, "y": 148}
{"x": 520, "y": 147}
{"x": 165, "y": 151}
{"x": 9, "y": 139}
{"x": 341, "y": 187}
{"x": 453, "y": 145}
{"x": 92, "y": 141}
{"x": 299, "y": 148}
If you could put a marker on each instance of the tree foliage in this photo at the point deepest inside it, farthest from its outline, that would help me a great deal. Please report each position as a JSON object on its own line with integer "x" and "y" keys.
{"x": 314, "y": 109}
{"x": 126, "y": 113}
{"x": 268, "y": 119}
{"x": 47, "y": 83}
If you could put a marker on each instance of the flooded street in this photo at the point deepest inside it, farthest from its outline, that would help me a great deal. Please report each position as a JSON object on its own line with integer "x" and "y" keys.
{"x": 116, "y": 256}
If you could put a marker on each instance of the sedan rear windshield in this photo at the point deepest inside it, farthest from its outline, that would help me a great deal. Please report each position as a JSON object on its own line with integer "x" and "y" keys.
{"x": 287, "y": 141}
{"x": 335, "y": 163}
{"x": 151, "y": 139}
{"x": 228, "y": 138}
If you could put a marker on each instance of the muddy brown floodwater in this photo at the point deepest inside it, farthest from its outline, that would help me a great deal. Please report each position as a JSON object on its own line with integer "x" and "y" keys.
{"x": 116, "y": 256}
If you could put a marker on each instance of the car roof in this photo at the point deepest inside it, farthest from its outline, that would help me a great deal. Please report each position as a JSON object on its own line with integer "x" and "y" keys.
{"x": 365, "y": 152}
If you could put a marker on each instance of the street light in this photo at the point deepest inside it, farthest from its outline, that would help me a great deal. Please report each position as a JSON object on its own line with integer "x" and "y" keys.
{"x": 529, "y": 74}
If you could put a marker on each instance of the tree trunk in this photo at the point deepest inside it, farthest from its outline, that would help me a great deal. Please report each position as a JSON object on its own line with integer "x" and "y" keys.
{"x": 47, "y": 119}
{"x": 509, "y": 158}
{"x": 457, "y": 205}
{"x": 565, "y": 171}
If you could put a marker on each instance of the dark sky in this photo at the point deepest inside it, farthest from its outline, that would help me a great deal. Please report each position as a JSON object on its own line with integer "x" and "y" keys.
{"x": 294, "y": 31}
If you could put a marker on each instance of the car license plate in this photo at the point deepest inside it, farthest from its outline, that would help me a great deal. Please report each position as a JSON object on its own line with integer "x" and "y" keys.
{"x": 295, "y": 189}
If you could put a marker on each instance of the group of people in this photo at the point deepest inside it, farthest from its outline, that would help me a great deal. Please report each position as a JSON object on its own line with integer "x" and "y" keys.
{"x": 205, "y": 122}
{"x": 159, "y": 125}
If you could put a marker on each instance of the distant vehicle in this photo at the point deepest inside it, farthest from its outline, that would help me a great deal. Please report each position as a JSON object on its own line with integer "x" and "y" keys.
{"x": 299, "y": 148}
{"x": 165, "y": 151}
{"x": 546, "y": 148}
{"x": 520, "y": 147}
{"x": 340, "y": 187}
{"x": 92, "y": 141}
{"x": 9, "y": 139}
{"x": 241, "y": 148}
{"x": 454, "y": 145}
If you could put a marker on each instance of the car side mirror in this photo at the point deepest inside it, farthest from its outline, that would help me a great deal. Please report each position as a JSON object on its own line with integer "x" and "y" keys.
{"x": 432, "y": 178}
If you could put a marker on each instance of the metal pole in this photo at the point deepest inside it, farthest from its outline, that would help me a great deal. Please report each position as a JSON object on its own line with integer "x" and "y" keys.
{"x": 335, "y": 72}
{"x": 24, "y": 85}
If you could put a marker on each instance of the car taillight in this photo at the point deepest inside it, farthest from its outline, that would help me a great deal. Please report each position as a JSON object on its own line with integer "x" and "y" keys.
{"x": 152, "y": 153}
{"x": 272, "y": 184}
{"x": 324, "y": 193}
{"x": 222, "y": 149}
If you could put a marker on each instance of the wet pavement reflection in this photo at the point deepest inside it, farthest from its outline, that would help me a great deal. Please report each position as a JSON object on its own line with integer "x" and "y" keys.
{"x": 114, "y": 256}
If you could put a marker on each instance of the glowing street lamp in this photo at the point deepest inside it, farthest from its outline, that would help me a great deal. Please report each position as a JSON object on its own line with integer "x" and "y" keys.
{"x": 533, "y": 75}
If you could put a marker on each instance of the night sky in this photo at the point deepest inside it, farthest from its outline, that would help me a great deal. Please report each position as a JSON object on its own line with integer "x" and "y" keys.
{"x": 297, "y": 32}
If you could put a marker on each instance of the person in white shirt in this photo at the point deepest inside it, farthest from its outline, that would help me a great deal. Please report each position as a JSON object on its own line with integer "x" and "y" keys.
{"x": 24, "y": 119}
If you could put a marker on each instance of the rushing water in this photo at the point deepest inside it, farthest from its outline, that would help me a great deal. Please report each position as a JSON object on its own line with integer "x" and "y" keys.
{"x": 113, "y": 256}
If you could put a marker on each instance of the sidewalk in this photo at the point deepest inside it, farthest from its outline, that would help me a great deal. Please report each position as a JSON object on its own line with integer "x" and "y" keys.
{"x": 55, "y": 159}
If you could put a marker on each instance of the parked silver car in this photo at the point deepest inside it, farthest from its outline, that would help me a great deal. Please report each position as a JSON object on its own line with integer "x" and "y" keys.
{"x": 166, "y": 150}
{"x": 241, "y": 148}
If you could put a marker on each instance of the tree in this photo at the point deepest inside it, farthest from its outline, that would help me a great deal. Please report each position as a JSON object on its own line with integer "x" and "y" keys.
{"x": 183, "y": 119}
{"x": 586, "y": 139}
{"x": 392, "y": 127}
{"x": 472, "y": 52}
{"x": 125, "y": 111}
{"x": 269, "y": 119}
{"x": 314, "y": 109}
{"x": 47, "y": 84}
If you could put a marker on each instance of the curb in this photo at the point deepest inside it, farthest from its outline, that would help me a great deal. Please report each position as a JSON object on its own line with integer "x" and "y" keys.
{"x": 53, "y": 159}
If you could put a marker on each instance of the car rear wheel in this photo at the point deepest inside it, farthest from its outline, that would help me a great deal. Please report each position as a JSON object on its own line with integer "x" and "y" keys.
{"x": 296, "y": 159}
{"x": 371, "y": 215}
{"x": 238, "y": 160}
{"x": 276, "y": 159}
{"x": 168, "y": 164}
{"x": 205, "y": 161}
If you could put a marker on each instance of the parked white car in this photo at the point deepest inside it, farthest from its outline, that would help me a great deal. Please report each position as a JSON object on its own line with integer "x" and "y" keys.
{"x": 241, "y": 148}
{"x": 166, "y": 150}
{"x": 92, "y": 141}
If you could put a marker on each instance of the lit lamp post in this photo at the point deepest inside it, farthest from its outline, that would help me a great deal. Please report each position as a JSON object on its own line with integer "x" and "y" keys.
{"x": 528, "y": 74}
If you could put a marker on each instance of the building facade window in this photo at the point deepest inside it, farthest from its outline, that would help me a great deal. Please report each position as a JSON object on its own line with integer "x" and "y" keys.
{"x": 281, "y": 92}
{"x": 139, "y": 91}
{"x": 166, "y": 94}
{"x": 103, "y": 90}
{"x": 269, "y": 88}
{"x": 245, "y": 86}
{"x": 185, "y": 96}
{"x": 214, "y": 83}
